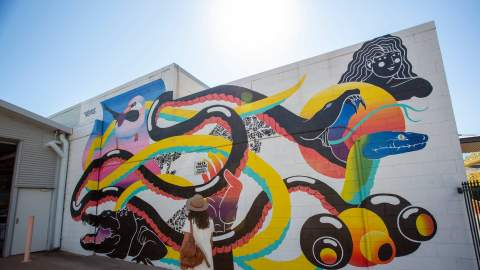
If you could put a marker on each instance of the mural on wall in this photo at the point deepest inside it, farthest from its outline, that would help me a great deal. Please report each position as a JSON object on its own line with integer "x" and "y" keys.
{"x": 151, "y": 152}
{"x": 383, "y": 62}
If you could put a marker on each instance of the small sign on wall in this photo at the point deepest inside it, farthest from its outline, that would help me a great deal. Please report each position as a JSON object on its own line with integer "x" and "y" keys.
{"x": 90, "y": 111}
{"x": 201, "y": 167}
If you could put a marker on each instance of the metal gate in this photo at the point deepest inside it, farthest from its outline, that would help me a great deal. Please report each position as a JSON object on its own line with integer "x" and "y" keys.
{"x": 471, "y": 193}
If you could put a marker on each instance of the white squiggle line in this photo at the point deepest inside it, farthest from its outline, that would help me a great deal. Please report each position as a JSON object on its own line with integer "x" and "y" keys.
{"x": 150, "y": 113}
{"x": 113, "y": 153}
{"x": 332, "y": 221}
{"x": 382, "y": 199}
{"x": 398, "y": 147}
{"x": 219, "y": 109}
{"x": 303, "y": 179}
{"x": 208, "y": 185}
{"x": 76, "y": 206}
{"x": 223, "y": 236}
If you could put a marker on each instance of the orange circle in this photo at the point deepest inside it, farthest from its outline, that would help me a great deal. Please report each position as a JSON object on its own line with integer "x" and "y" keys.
{"x": 328, "y": 256}
{"x": 425, "y": 225}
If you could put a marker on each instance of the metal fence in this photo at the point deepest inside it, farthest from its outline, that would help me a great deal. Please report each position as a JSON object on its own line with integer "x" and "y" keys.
{"x": 471, "y": 193}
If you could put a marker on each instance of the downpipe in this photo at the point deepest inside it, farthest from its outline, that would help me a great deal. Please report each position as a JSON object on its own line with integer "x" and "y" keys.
{"x": 62, "y": 180}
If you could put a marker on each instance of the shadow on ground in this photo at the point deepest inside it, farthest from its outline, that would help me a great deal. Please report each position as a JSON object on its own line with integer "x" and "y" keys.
{"x": 60, "y": 260}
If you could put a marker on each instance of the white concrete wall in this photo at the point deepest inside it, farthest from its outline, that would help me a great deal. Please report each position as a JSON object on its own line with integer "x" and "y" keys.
{"x": 427, "y": 178}
{"x": 187, "y": 83}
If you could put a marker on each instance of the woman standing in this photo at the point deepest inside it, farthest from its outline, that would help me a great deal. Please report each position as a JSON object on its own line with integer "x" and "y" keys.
{"x": 201, "y": 230}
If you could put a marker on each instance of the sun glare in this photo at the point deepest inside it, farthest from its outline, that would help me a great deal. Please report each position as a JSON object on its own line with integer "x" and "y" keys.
{"x": 250, "y": 28}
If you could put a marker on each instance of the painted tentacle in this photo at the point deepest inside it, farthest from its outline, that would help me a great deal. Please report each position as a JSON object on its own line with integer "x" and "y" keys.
{"x": 224, "y": 242}
{"x": 300, "y": 130}
{"x": 279, "y": 114}
{"x": 79, "y": 204}
{"x": 327, "y": 196}
{"x": 218, "y": 113}
{"x": 255, "y": 218}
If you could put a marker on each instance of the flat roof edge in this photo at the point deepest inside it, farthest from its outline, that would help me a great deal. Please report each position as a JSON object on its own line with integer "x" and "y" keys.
{"x": 188, "y": 74}
{"x": 64, "y": 110}
{"x": 473, "y": 139}
{"x": 34, "y": 117}
{"x": 121, "y": 87}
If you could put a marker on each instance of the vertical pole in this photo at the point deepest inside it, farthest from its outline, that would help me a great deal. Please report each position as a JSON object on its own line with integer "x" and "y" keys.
{"x": 473, "y": 214}
{"x": 476, "y": 211}
{"x": 467, "y": 188}
{"x": 28, "y": 239}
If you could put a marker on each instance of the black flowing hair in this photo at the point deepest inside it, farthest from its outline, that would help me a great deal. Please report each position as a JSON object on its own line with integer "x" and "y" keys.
{"x": 357, "y": 70}
{"x": 201, "y": 218}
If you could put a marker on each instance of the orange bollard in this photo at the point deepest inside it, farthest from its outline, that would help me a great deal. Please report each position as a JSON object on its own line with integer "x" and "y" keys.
{"x": 28, "y": 239}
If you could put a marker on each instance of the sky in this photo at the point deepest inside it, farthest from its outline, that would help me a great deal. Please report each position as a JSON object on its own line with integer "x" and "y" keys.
{"x": 55, "y": 54}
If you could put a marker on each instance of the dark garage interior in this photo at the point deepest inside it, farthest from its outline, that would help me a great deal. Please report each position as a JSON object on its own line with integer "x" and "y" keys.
{"x": 7, "y": 162}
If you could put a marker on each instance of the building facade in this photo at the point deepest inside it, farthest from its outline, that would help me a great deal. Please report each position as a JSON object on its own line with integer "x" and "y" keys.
{"x": 33, "y": 154}
{"x": 344, "y": 160}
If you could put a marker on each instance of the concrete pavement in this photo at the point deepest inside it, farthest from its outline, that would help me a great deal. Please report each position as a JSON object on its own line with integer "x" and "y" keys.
{"x": 59, "y": 260}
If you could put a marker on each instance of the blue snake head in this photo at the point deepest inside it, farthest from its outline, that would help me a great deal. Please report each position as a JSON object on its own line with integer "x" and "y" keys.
{"x": 382, "y": 144}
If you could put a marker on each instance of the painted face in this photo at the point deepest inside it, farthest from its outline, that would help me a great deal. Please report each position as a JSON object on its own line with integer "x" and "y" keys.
{"x": 386, "y": 64}
{"x": 135, "y": 103}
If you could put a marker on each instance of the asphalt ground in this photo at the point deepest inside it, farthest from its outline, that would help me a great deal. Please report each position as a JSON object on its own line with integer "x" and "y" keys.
{"x": 60, "y": 260}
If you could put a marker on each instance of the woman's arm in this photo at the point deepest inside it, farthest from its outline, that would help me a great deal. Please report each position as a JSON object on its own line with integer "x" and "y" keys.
{"x": 229, "y": 204}
{"x": 186, "y": 236}
{"x": 186, "y": 233}
{"x": 403, "y": 89}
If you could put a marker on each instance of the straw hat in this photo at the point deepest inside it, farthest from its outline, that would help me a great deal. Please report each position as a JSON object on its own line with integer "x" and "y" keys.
{"x": 197, "y": 203}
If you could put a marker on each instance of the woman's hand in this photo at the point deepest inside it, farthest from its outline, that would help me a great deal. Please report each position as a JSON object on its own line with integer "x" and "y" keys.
{"x": 186, "y": 236}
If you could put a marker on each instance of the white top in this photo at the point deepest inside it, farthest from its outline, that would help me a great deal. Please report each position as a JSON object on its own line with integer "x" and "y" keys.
{"x": 202, "y": 239}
